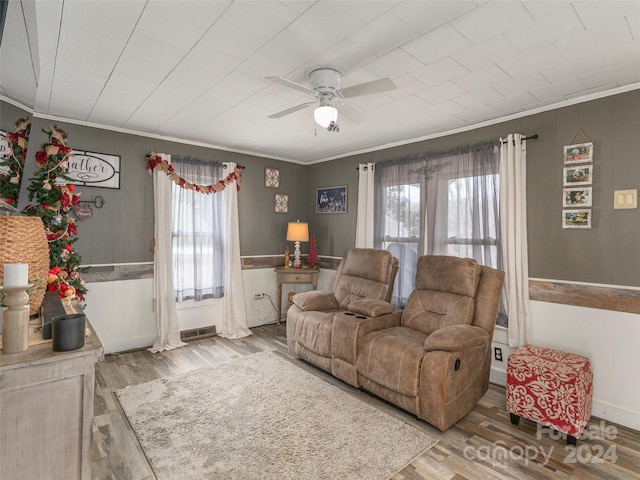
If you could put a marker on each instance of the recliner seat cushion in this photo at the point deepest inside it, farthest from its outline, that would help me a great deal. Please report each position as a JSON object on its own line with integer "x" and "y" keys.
{"x": 392, "y": 358}
{"x": 428, "y": 311}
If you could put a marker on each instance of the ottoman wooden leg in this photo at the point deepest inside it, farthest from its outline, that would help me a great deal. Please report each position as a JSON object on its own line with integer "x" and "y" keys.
{"x": 571, "y": 440}
{"x": 515, "y": 419}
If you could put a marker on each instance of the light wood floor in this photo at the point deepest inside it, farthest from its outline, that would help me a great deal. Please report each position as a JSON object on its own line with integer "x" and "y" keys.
{"x": 483, "y": 445}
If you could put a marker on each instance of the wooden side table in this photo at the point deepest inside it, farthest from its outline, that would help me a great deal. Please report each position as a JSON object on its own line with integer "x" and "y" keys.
{"x": 294, "y": 275}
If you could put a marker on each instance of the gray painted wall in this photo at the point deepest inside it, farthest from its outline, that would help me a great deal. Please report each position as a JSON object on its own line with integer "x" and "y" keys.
{"x": 122, "y": 230}
{"x": 608, "y": 253}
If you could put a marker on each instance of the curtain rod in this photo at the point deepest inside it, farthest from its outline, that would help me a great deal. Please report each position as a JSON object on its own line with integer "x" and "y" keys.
{"x": 531, "y": 137}
{"x": 199, "y": 161}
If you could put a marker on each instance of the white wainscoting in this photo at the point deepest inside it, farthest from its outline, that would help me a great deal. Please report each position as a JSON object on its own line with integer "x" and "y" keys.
{"x": 121, "y": 312}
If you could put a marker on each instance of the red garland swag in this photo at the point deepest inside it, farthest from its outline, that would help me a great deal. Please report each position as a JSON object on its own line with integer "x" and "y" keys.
{"x": 154, "y": 161}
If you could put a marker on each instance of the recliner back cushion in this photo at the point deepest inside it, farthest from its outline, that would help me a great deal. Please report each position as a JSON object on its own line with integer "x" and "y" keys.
{"x": 448, "y": 274}
{"x": 354, "y": 288}
{"x": 428, "y": 310}
{"x": 369, "y": 263}
{"x": 364, "y": 273}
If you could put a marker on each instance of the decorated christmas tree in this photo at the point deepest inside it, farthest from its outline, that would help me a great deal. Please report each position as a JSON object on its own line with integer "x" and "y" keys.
{"x": 312, "y": 259}
{"x": 12, "y": 162}
{"x": 54, "y": 200}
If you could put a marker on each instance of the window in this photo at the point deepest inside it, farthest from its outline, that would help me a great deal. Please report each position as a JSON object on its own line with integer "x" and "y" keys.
{"x": 401, "y": 233}
{"x": 444, "y": 204}
{"x": 399, "y": 220}
{"x": 196, "y": 229}
{"x": 472, "y": 219}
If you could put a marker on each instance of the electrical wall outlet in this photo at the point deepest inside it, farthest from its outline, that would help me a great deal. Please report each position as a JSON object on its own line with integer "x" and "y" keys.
{"x": 260, "y": 296}
{"x": 497, "y": 353}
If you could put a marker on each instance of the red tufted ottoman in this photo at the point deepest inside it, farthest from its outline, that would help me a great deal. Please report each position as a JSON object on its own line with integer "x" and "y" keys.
{"x": 551, "y": 388}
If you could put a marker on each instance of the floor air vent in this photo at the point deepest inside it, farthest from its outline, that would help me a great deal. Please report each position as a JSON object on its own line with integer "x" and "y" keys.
{"x": 197, "y": 333}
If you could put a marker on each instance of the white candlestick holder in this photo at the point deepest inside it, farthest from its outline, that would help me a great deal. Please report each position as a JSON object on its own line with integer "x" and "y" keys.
{"x": 15, "y": 321}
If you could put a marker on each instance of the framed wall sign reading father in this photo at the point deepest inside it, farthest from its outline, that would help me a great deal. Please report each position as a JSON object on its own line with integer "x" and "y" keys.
{"x": 94, "y": 169}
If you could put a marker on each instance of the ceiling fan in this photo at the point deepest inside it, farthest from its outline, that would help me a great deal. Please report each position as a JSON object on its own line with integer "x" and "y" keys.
{"x": 325, "y": 87}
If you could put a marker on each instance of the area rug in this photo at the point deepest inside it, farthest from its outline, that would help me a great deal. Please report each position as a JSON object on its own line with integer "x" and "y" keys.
{"x": 262, "y": 417}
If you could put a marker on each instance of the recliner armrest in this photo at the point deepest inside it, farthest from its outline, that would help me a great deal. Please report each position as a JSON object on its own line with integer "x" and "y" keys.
{"x": 455, "y": 338}
{"x": 348, "y": 329}
{"x": 315, "y": 300}
{"x": 370, "y": 307}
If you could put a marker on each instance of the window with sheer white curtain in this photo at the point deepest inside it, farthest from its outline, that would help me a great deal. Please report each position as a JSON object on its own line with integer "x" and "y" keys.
{"x": 399, "y": 219}
{"x": 196, "y": 228}
{"x": 442, "y": 204}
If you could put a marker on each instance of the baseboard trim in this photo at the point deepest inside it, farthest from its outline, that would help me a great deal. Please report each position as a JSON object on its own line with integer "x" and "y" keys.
{"x": 617, "y": 414}
{"x": 136, "y": 343}
{"x": 498, "y": 376}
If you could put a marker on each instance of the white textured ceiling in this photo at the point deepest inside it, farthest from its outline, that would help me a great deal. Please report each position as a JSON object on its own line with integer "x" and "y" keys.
{"x": 195, "y": 70}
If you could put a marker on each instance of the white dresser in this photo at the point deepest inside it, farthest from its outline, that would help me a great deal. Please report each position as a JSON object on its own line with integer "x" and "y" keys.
{"x": 46, "y": 410}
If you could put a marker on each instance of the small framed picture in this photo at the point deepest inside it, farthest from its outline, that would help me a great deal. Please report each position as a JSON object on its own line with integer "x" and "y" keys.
{"x": 331, "y": 199}
{"x": 281, "y": 203}
{"x": 578, "y": 175}
{"x": 580, "y": 218}
{"x": 578, "y": 153}
{"x": 576, "y": 197}
{"x": 271, "y": 177}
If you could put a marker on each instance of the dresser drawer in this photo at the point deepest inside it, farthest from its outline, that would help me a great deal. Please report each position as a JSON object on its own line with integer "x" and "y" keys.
{"x": 295, "y": 277}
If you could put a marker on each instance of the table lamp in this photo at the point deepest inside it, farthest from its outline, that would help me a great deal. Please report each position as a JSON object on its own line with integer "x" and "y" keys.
{"x": 297, "y": 232}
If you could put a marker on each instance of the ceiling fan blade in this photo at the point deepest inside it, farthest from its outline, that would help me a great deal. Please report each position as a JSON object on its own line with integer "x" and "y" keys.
{"x": 368, "y": 88}
{"x": 351, "y": 114}
{"x": 290, "y": 84}
{"x": 291, "y": 110}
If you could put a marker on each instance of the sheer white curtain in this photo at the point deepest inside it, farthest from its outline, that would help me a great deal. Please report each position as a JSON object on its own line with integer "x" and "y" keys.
{"x": 399, "y": 218}
{"x": 513, "y": 213}
{"x": 365, "y": 215}
{"x": 163, "y": 290}
{"x": 438, "y": 204}
{"x": 462, "y": 204}
{"x": 234, "y": 318}
{"x": 197, "y": 225}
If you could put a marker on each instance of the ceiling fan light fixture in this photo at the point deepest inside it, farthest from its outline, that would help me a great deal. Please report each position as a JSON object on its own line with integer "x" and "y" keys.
{"x": 324, "y": 115}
